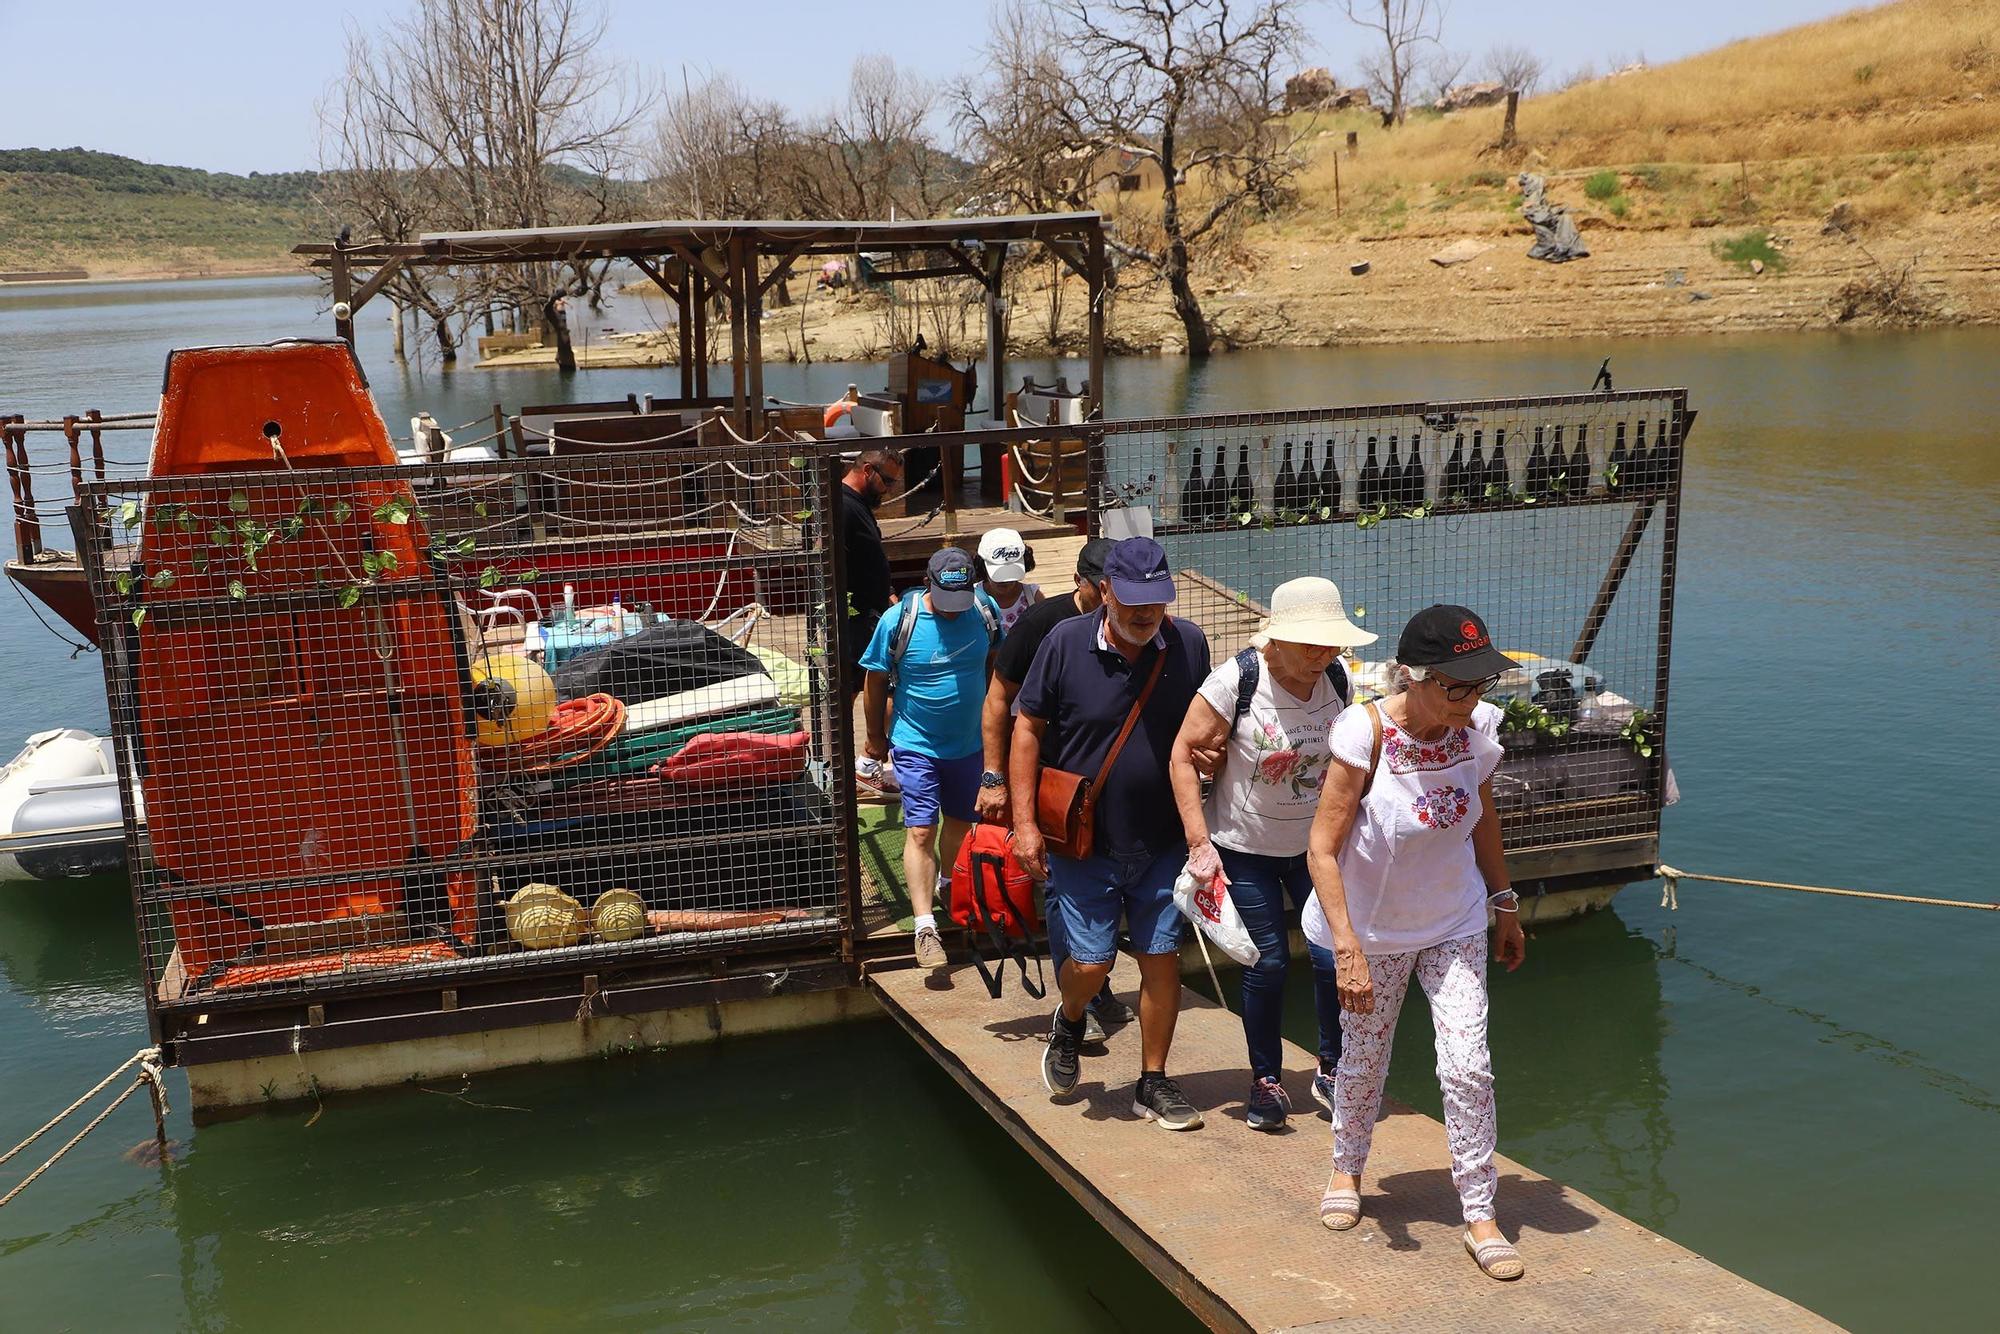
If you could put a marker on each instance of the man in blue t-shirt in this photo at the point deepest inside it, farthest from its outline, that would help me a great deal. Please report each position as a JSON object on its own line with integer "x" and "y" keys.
{"x": 939, "y": 685}
{"x": 1089, "y": 675}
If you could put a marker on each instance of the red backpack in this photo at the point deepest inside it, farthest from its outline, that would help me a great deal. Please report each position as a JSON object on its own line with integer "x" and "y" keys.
{"x": 994, "y": 896}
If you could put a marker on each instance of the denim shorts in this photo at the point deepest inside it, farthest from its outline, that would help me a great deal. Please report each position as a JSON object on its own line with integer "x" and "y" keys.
{"x": 1088, "y": 896}
{"x": 930, "y": 784}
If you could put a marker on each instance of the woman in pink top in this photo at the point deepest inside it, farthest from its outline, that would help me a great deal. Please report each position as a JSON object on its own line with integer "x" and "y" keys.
{"x": 1405, "y": 859}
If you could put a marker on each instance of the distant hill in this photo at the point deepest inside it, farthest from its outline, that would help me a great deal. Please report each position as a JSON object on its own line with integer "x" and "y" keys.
{"x": 116, "y": 215}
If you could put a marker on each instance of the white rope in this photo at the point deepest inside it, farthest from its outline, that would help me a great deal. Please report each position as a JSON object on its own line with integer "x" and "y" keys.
{"x": 148, "y": 1061}
{"x": 1027, "y": 473}
{"x": 136, "y": 1058}
{"x": 1674, "y": 875}
{"x": 722, "y": 582}
{"x": 538, "y": 434}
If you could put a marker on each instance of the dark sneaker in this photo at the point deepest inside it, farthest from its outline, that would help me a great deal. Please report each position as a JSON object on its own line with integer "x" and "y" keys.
{"x": 930, "y": 949}
{"x": 1269, "y": 1105}
{"x": 1107, "y": 1009}
{"x": 1323, "y": 1091}
{"x": 1159, "y": 1099}
{"x": 1093, "y": 1031}
{"x": 1060, "y": 1061}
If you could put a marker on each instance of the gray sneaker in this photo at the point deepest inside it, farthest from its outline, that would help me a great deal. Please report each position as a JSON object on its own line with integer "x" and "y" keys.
{"x": 1269, "y": 1105}
{"x": 1159, "y": 1099}
{"x": 1323, "y": 1090}
{"x": 1108, "y": 1009}
{"x": 1060, "y": 1060}
{"x": 1093, "y": 1031}
{"x": 930, "y": 949}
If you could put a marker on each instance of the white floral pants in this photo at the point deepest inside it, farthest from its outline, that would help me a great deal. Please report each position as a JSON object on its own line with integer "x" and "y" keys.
{"x": 1453, "y": 976}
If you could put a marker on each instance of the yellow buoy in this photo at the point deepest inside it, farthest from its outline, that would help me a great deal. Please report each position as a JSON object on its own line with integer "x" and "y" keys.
{"x": 542, "y": 917}
{"x": 618, "y": 914}
{"x": 512, "y": 698}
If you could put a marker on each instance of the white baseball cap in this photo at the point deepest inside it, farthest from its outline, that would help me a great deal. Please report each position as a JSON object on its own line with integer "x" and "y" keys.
{"x": 1309, "y": 611}
{"x": 1005, "y": 554}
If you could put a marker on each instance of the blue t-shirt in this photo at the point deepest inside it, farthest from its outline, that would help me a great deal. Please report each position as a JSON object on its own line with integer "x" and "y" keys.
{"x": 1083, "y": 692}
{"x": 941, "y": 682}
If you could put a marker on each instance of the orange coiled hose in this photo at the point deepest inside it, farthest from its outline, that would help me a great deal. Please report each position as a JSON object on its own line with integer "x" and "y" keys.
{"x": 325, "y": 965}
{"x": 577, "y": 730}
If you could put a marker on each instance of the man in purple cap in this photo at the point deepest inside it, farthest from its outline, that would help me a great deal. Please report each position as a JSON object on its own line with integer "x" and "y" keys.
{"x": 1084, "y": 683}
{"x": 931, "y": 653}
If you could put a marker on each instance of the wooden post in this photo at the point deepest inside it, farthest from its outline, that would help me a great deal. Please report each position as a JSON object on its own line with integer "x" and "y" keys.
{"x": 1099, "y": 288}
{"x": 698, "y": 298}
{"x": 499, "y": 431}
{"x": 21, "y": 481}
{"x": 753, "y": 340}
{"x": 739, "y": 386}
{"x": 684, "y": 330}
{"x": 1336, "y": 185}
{"x": 996, "y": 332}
{"x": 75, "y": 439}
{"x": 1607, "y": 589}
{"x": 96, "y": 444}
{"x": 1354, "y": 143}
{"x": 343, "y": 296}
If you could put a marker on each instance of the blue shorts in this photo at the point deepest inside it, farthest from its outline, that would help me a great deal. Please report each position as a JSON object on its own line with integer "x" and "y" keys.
{"x": 1086, "y": 897}
{"x": 929, "y": 784}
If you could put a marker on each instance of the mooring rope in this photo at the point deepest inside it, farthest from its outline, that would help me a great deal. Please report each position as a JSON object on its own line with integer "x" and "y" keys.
{"x": 1672, "y": 876}
{"x": 148, "y": 1061}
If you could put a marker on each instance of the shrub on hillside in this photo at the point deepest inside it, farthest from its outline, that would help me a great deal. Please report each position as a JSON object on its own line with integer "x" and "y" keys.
{"x": 1601, "y": 185}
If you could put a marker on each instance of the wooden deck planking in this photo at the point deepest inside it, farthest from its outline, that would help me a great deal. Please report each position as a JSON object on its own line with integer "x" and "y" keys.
{"x": 1226, "y": 1216}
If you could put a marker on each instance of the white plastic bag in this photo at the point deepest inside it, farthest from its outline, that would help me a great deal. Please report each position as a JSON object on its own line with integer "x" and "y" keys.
{"x": 1212, "y": 911}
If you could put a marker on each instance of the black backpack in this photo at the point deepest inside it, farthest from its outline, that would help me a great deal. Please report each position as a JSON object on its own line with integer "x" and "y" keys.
{"x": 1250, "y": 669}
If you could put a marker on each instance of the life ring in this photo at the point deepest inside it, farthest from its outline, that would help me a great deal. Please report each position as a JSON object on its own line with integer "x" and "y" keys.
{"x": 835, "y": 410}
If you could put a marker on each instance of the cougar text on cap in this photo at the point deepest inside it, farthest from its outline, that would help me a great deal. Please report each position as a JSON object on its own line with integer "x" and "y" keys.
{"x": 1137, "y": 569}
{"x": 1454, "y": 640}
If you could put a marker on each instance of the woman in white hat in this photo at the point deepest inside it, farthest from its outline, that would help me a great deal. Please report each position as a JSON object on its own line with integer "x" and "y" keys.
{"x": 1004, "y": 563}
{"x": 1268, "y": 711}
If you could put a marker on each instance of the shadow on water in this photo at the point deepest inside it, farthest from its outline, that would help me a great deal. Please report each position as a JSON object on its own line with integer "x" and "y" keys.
{"x": 767, "y": 1183}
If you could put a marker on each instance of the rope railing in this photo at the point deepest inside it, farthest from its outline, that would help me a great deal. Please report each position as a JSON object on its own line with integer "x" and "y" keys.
{"x": 1673, "y": 875}
{"x": 150, "y": 1077}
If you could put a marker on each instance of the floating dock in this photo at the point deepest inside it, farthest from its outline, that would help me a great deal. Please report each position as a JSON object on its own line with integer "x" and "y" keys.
{"x": 1227, "y": 1217}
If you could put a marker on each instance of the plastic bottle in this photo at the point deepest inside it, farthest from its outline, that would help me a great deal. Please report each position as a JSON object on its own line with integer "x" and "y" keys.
{"x": 533, "y": 644}
{"x": 569, "y": 602}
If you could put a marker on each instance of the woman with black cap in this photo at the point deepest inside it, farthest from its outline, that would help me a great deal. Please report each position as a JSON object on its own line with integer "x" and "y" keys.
{"x": 1405, "y": 859}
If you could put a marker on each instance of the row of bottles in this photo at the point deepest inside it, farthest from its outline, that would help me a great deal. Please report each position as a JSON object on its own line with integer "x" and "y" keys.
{"x": 1475, "y": 474}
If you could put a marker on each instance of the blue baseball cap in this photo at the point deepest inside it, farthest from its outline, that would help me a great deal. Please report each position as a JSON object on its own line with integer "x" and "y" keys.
{"x": 1137, "y": 569}
{"x": 951, "y": 579}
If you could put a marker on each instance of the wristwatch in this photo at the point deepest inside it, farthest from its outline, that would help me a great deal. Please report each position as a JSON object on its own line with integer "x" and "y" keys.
{"x": 1505, "y": 900}
{"x": 990, "y": 779}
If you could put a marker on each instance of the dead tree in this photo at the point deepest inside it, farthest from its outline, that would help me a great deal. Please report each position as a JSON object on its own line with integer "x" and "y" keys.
{"x": 478, "y": 114}
{"x": 1406, "y": 30}
{"x": 1191, "y": 87}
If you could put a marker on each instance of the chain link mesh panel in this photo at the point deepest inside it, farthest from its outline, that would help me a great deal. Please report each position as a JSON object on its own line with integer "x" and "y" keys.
{"x": 420, "y": 723}
{"x": 1553, "y": 518}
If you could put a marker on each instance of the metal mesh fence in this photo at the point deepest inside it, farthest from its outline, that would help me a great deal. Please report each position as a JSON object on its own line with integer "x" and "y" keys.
{"x": 1554, "y": 518}
{"x": 379, "y": 724}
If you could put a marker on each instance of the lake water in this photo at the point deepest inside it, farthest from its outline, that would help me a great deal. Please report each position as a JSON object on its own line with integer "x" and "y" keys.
{"x": 1806, "y": 1090}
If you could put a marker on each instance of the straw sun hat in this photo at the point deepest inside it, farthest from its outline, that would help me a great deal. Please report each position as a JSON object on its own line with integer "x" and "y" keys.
{"x": 1309, "y": 611}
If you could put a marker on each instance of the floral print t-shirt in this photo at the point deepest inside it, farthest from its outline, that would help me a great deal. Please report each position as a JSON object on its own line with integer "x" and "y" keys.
{"x": 1267, "y": 790}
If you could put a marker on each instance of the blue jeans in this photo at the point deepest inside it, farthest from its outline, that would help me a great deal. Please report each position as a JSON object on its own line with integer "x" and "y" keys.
{"x": 1258, "y": 885}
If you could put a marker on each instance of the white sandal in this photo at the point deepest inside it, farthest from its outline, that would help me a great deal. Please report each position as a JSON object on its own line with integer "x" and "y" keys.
{"x": 1496, "y": 1257}
{"x": 1340, "y": 1210}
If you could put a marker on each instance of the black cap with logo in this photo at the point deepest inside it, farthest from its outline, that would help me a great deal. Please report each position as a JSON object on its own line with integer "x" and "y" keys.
{"x": 1454, "y": 641}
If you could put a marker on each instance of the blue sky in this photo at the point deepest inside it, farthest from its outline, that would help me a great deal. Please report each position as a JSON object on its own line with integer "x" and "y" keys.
{"x": 231, "y": 86}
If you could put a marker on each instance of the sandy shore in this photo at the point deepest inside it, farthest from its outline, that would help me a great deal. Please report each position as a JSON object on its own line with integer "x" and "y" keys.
{"x": 1299, "y": 292}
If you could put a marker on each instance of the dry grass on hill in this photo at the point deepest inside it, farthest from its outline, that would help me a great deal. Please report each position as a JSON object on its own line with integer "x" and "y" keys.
{"x": 1899, "y": 104}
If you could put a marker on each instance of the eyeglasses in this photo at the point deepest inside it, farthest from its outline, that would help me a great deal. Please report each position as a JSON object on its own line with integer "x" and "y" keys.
{"x": 1456, "y": 690}
{"x": 888, "y": 478}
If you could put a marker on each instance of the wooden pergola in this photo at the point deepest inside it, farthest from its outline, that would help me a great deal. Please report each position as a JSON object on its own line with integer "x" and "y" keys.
{"x": 694, "y": 262}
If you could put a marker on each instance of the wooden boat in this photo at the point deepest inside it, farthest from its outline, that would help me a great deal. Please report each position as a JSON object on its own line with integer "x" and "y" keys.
{"x": 310, "y": 761}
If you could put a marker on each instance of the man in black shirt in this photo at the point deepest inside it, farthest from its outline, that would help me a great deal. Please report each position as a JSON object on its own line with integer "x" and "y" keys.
{"x": 875, "y": 473}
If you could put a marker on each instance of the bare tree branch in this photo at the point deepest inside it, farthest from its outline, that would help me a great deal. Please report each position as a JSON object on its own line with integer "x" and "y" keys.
{"x": 1407, "y": 30}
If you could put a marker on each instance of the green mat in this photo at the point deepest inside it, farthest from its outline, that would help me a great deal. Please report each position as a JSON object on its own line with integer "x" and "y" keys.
{"x": 879, "y": 831}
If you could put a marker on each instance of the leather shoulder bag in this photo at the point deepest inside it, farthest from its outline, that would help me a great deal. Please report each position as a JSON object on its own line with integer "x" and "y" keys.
{"x": 1066, "y": 803}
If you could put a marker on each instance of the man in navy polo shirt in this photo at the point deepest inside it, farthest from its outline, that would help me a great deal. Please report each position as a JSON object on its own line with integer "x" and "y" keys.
{"x": 1084, "y": 681}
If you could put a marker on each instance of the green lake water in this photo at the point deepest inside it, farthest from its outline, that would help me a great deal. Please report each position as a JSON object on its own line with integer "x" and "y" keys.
{"x": 1805, "y": 1090}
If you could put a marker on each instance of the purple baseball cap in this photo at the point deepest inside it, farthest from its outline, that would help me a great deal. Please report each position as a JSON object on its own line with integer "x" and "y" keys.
{"x": 1137, "y": 569}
